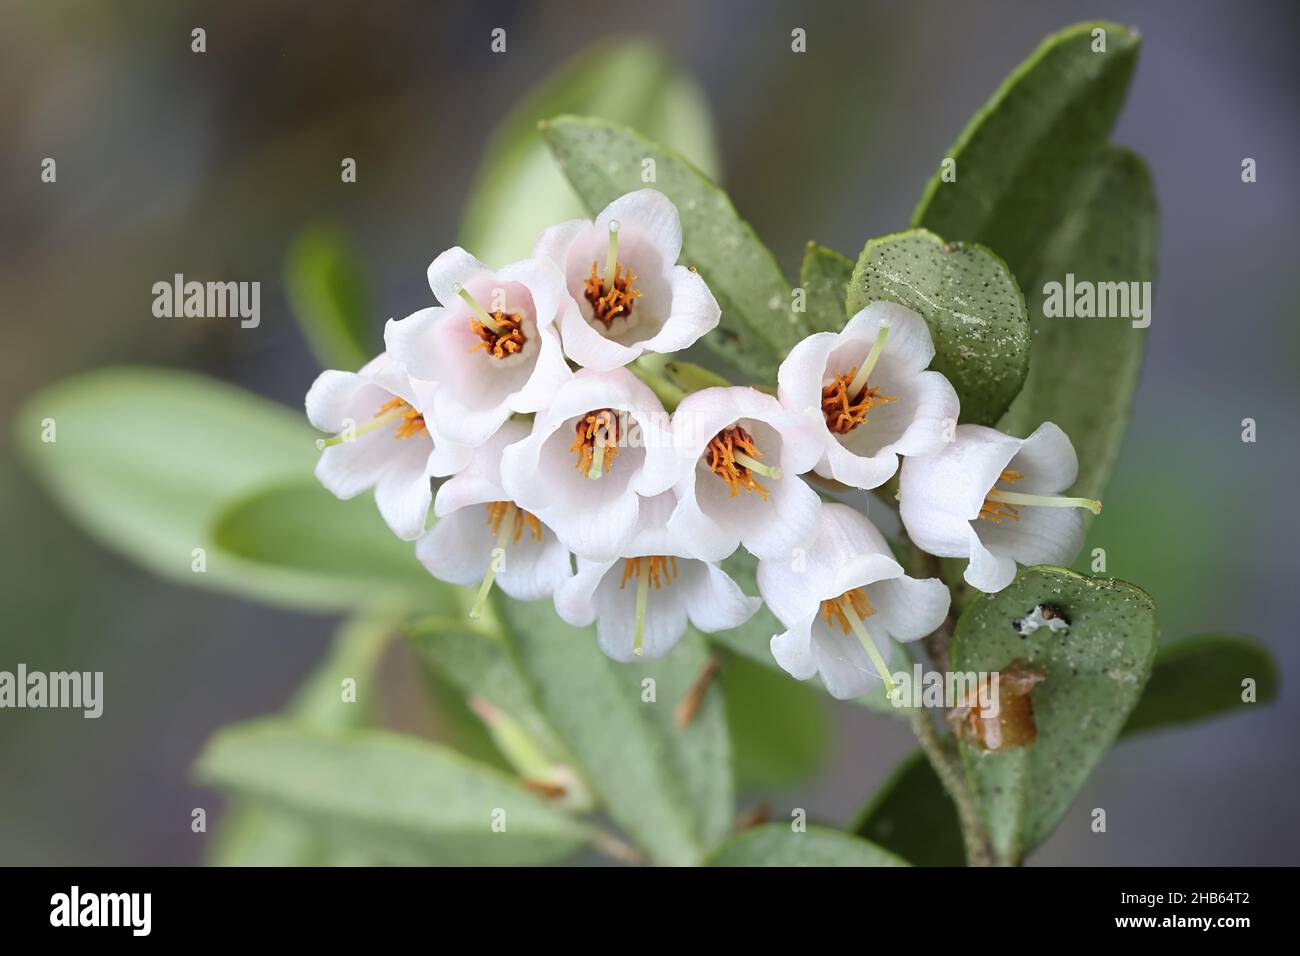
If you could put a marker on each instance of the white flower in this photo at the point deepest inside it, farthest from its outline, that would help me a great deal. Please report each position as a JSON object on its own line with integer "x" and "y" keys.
{"x": 995, "y": 500}
{"x": 641, "y": 602}
{"x": 869, "y": 387}
{"x": 380, "y": 441}
{"x": 489, "y": 350}
{"x": 843, "y": 601}
{"x": 601, "y": 444}
{"x": 482, "y": 535}
{"x": 741, "y": 455}
{"x": 630, "y": 295}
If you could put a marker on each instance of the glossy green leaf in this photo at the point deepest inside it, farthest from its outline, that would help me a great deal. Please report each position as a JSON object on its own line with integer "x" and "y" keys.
{"x": 776, "y": 844}
{"x": 1201, "y": 677}
{"x": 603, "y": 161}
{"x": 670, "y": 789}
{"x": 824, "y": 277}
{"x": 519, "y": 191}
{"x": 913, "y": 816}
{"x": 146, "y": 458}
{"x": 780, "y": 728}
{"x": 303, "y": 538}
{"x": 1037, "y": 182}
{"x": 255, "y": 835}
{"x": 327, "y": 292}
{"x": 971, "y": 303}
{"x": 1094, "y": 673}
{"x": 393, "y": 799}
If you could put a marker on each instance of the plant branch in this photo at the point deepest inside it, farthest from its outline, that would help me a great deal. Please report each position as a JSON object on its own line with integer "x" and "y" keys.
{"x": 979, "y": 852}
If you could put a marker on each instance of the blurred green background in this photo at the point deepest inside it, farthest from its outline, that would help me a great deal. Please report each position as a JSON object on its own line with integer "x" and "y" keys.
{"x": 211, "y": 164}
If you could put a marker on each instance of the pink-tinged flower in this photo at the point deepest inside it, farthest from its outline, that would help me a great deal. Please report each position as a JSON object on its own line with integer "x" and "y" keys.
{"x": 869, "y": 386}
{"x": 741, "y": 456}
{"x": 843, "y": 601}
{"x": 601, "y": 445}
{"x": 641, "y": 602}
{"x": 481, "y": 535}
{"x": 490, "y": 349}
{"x": 995, "y": 500}
{"x": 381, "y": 441}
{"x": 621, "y": 272}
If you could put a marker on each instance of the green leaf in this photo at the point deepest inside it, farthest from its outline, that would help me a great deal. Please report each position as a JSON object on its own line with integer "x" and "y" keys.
{"x": 603, "y": 161}
{"x": 824, "y": 277}
{"x": 776, "y": 844}
{"x": 971, "y": 303}
{"x": 479, "y": 660}
{"x": 254, "y": 835}
{"x": 1094, "y": 673}
{"x": 780, "y": 728}
{"x": 1083, "y": 372}
{"x": 1037, "y": 182}
{"x": 1201, "y": 677}
{"x": 146, "y": 458}
{"x": 390, "y": 798}
{"x": 913, "y": 816}
{"x": 304, "y": 539}
{"x": 670, "y": 789}
{"x": 327, "y": 292}
{"x": 519, "y": 192}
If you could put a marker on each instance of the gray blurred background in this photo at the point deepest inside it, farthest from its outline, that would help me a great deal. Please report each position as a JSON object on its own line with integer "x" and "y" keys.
{"x": 173, "y": 162}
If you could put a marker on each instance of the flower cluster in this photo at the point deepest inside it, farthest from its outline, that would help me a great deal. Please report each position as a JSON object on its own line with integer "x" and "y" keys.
{"x": 567, "y": 478}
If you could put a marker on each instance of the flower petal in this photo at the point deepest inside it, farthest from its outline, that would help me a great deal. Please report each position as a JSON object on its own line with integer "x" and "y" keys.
{"x": 553, "y": 244}
{"x": 403, "y": 492}
{"x": 694, "y": 313}
{"x": 907, "y": 344}
{"x": 451, "y": 268}
{"x": 654, "y": 217}
{"x": 713, "y": 600}
{"x": 991, "y": 568}
{"x": 909, "y": 608}
{"x": 458, "y": 547}
{"x": 792, "y": 650}
{"x": 1047, "y": 460}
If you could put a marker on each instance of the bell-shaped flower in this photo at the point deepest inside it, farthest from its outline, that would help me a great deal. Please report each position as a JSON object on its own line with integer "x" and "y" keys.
{"x": 629, "y": 293}
{"x": 602, "y": 444}
{"x": 869, "y": 386}
{"x": 995, "y": 500}
{"x": 741, "y": 456}
{"x": 843, "y": 601}
{"x": 641, "y": 602}
{"x": 490, "y": 349}
{"x": 380, "y": 440}
{"x": 483, "y": 536}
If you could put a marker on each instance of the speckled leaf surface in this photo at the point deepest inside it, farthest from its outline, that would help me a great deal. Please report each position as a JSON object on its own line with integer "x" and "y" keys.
{"x": 824, "y": 277}
{"x": 603, "y": 161}
{"x": 1094, "y": 673}
{"x": 776, "y": 844}
{"x": 971, "y": 303}
{"x": 1037, "y": 182}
